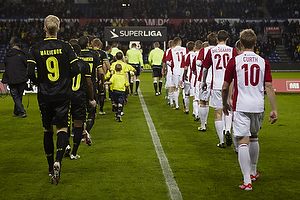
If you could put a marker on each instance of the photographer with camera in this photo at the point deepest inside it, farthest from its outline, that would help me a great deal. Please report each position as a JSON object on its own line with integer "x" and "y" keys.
{"x": 15, "y": 76}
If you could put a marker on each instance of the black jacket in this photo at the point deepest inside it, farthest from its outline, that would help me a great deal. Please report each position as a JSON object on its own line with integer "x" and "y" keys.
{"x": 15, "y": 67}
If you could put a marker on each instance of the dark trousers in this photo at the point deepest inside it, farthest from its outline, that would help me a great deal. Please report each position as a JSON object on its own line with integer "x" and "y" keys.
{"x": 16, "y": 92}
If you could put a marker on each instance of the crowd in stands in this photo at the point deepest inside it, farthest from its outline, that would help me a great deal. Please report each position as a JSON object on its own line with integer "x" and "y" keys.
{"x": 196, "y": 9}
{"x": 149, "y": 9}
{"x": 284, "y": 8}
{"x": 291, "y": 39}
{"x": 29, "y": 32}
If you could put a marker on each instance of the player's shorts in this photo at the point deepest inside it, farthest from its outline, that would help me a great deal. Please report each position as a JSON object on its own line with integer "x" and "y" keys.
{"x": 216, "y": 99}
{"x": 205, "y": 95}
{"x": 137, "y": 67}
{"x": 55, "y": 113}
{"x": 246, "y": 124}
{"x": 156, "y": 71}
{"x": 169, "y": 82}
{"x": 119, "y": 97}
{"x": 78, "y": 111}
{"x": 176, "y": 80}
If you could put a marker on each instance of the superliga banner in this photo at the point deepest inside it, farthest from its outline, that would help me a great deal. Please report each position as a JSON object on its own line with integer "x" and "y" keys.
{"x": 138, "y": 33}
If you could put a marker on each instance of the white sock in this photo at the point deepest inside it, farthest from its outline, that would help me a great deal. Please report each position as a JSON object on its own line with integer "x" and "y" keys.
{"x": 202, "y": 114}
{"x": 171, "y": 94}
{"x": 206, "y": 113}
{"x": 195, "y": 108}
{"x": 224, "y": 122}
{"x": 219, "y": 125}
{"x": 175, "y": 96}
{"x": 236, "y": 143}
{"x": 228, "y": 121}
{"x": 187, "y": 103}
{"x": 244, "y": 160}
{"x": 254, "y": 153}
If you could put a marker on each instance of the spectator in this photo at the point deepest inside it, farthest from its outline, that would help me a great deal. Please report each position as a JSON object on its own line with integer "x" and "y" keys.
{"x": 15, "y": 76}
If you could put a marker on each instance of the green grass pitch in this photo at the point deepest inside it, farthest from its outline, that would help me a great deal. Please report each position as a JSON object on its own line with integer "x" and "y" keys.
{"x": 122, "y": 163}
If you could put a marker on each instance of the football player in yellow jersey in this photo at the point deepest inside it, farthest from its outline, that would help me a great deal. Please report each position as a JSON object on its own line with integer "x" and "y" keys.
{"x": 119, "y": 83}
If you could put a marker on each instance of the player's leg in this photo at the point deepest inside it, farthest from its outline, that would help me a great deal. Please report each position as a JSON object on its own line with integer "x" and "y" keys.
{"x": 78, "y": 129}
{"x": 155, "y": 83}
{"x": 256, "y": 122}
{"x": 101, "y": 102}
{"x": 219, "y": 127}
{"x": 241, "y": 130}
{"x": 160, "y": 83}
{"x": 47, "y": 116}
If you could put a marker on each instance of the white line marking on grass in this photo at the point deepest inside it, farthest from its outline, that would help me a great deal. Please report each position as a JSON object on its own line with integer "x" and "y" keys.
{"x": 167, "y": 171}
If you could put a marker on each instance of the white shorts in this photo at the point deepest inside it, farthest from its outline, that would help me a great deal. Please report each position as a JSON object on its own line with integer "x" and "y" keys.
{"x": 246, "y": 124}
{"x": 216, "y": 99}
{"x": 169, "y": 82}
{"x": 204, "y": 95}
{"x": 176, "y": 80}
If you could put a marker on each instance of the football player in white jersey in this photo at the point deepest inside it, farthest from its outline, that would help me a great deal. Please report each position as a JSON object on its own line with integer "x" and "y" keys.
{"x": 175, "y": 58}
{"x": 188, "y": 75}
{"x": 252, "y": 75}
{"x": 218, "y": 57}
{"x": 194, "y": 82}
{"x": 167, "y": 74}
{"x": 204, "y": 95}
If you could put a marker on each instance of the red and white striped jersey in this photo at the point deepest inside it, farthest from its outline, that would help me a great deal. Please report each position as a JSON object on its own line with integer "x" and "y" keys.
{"x": 218, "y": 57}
{"x": 189, "y": 57}
{"x": 168, "y": 70}
{"x": 250, "y": 72}
{"x": 175, "y": 57}
{"x": 199, "y": 63}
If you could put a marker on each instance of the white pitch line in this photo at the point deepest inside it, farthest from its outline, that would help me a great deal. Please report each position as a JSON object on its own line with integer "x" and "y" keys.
{"x": 167, "y": 171}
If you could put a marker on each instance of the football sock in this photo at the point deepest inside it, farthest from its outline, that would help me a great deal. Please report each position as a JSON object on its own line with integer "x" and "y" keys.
{"x": 155, "y": 86}
{"x": 49, "y": 149}
{"x": 91, "y": 119}
{"x": 195, "y": 108}
{"x": 228, "y": 121}
{"x": 254, "y": 154}
{"x": 244, "y": 160}
{"x": 219, "y": 125}
{"x": 167, "y": 93}
{"x": 76, "y": 139}
{"x": 202, "y": 112}
{"x": 101, "y": 101}
{"x": 160, "y": 86}
{"x": 224, "y": 123}
{"x": 175, "y": 96}
{"x": 206, "y": 112}
{"x": 131, "y": 87}
{"x": 61, "y": 144}
{"x": 187, "y": 103}
{"x": 137, "y": 83}
{"x": 120, "y": 109}
{"x": 236, "y": 142}
{"x": 171, "y": 97}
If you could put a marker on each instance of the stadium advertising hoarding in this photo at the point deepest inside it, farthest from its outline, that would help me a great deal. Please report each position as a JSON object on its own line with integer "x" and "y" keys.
{"x": 286, "y": 85}
{"x": 136, "y": 33}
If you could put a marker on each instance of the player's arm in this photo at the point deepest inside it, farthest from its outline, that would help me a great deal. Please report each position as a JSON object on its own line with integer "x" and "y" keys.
{"x": 272, "y": 99}
{"x": 89, "y": 91}
{"x": 228, "y": 77}
{"x": 206, "y": 64}
{"x": 225, "y": 93}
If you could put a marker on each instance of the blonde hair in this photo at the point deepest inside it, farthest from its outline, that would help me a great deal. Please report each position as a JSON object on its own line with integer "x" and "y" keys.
{"x": 51, "y": 24}
{"x": 248, "y": 38}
